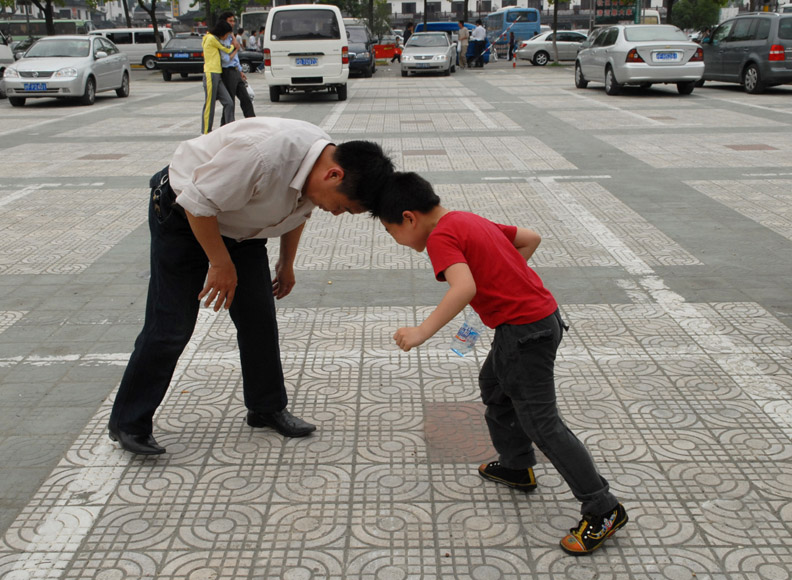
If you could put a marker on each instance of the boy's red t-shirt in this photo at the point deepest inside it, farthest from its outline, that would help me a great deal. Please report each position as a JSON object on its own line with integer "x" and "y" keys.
{"x": 508, "y": 291}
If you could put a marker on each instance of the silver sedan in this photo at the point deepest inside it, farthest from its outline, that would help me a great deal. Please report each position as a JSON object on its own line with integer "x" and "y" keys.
{"x": 68, "y": 66}
{"x": 539, "y": 49}
{"x": 635, "y": 54}
{"x": 428, "y": 52}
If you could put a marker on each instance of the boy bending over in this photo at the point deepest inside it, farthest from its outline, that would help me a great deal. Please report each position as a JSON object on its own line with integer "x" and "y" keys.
{"x": 485, "y": 266}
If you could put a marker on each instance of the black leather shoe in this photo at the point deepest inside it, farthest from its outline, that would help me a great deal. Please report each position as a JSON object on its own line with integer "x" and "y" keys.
{"x": 138, "y": 444}
{"x": 283, "y": 422}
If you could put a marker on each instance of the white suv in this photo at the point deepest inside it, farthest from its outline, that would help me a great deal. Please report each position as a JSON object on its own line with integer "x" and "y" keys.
{"x": 306, "y": 49}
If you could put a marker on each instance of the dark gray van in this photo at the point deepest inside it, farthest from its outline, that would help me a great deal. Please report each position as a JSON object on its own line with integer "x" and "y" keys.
{"x": 753, "y": 49}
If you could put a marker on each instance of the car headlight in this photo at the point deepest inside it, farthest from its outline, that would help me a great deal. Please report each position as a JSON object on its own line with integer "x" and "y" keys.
{"x": 68, "y": 72}
{"x": 11, "y": 73}
{"x": 440, "y": 57}
{"x": 362, "y": 56}
{"x": 408, "y": 58}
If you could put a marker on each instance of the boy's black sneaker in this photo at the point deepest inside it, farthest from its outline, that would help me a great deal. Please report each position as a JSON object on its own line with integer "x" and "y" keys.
{"x": 592, "y": 531}
{"x": 522, "y": 479}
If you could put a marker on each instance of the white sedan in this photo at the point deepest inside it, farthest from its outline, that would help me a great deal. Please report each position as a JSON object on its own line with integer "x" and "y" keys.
{"x": 539, "y": 49}
{"x": 68, "y": 66}
{"x": 637, "y": 54}
{"x": 428, "y": 52}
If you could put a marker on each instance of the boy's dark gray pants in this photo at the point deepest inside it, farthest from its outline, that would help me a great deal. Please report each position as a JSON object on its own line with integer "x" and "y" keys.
{"x": 518, "y": 388}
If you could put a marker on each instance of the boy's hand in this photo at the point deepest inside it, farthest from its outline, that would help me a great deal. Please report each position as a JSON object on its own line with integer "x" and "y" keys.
{"x": 409, "y": 337}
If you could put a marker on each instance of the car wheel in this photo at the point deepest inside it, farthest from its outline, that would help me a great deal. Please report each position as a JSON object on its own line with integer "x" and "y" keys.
{"x": 123, "y": 90}
{"x": 149, "y": 62}
{"x": 404, "y": 73}
{"x": 245, "y": 67}
{"x": 274, "y": 94}
{"x": 447, "y": 72}
{"x": 342, "y": 92}
{"x": 166, "y": 75}
{"x": 580, "y": 82}
{"x": 686, "y": 88}
{"x": 700, "y": 83}
{"x": 453, "y": 68}
{"x": 89, "y": 96}
{"x": 541, "y": 58}
{"x": 17, "y": 101}
{"x": 611, "y": 86}
{"x": 752, "y": 80}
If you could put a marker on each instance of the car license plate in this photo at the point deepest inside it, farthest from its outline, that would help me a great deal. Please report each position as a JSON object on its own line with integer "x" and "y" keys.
{"x": 307, "y": 62}
{"x": 423, "y": 65}
{"x": 666, "y": 56}
{"x": 35, "y": 86}
{"x": 181, "y": 55}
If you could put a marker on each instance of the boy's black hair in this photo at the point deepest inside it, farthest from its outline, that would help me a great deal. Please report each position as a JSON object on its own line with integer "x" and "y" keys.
{"x": 408, "y": 191}
{"x": 226, "y": 14}
{"x": 220, "y": 29}
{"x": 367, "y": 172}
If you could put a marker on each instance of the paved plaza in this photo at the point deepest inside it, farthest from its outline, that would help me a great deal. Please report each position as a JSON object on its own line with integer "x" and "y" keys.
{"x": 667, "y": 240}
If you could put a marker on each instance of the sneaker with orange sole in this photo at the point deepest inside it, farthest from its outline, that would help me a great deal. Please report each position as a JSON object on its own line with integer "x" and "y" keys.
{"x": 592, "y": 531}
{"x": 522, "y": 479}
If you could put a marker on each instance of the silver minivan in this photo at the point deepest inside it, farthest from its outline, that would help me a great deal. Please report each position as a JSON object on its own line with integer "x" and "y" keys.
{"x": 306, "y": 49}
{"x": 754, "y": 50}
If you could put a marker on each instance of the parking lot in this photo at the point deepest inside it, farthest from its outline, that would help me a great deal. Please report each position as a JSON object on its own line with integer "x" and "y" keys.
{"x": 667, "y": 241}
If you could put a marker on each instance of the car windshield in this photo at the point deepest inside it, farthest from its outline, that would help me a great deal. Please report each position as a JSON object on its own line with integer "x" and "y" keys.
{"x": 357, "y": 34}
{"x": 74, "y": 48}
{"x": 425, "y": 40}
{"x": 193, "y": 44}
{"x": 653, "y": 32}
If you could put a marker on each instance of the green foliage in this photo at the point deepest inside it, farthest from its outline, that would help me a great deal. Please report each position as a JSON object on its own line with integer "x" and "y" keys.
{"x": 697, "y": 14}
{"x": 349, "y": 8}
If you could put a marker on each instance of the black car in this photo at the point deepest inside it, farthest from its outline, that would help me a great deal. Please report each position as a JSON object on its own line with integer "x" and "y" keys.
{"x": 361, "y": 51}
{"x": 184, "y": 56}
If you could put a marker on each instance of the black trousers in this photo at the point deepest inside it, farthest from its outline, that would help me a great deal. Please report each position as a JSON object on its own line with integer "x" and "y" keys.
{"x": 178, "y": 271}
{"x": 236, "y": 88}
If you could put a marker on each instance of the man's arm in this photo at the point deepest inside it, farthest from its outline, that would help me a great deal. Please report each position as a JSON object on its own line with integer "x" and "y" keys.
{"x": 221, "y": 280}
{"x": 284, "y": 279}
{"x": 462, "y": 289}
{"x": 526, "y": 241}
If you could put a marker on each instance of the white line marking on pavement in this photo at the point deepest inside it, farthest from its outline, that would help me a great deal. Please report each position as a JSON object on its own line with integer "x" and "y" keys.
{"x": 741, "y": 367}
{"x": 56, "y": 541}
{"x": 754, "y": 105}
{"x": 330, "y": 122}
{"x": 12, "y": 197}
{"x": 480, "y": 115}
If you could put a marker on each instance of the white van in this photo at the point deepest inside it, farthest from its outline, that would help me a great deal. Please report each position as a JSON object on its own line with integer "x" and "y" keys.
{"x": 139, "y": 44}
{"x": 306, "y": 49}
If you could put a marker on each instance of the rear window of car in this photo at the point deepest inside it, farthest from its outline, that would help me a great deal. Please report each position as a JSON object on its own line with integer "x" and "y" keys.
{"x": 305, "y": 25}
{"x": 185, "y": 44}
{"x": 652, "y": 33}
{"x": 785, "y": 29}
{"x": 357, "y": 34}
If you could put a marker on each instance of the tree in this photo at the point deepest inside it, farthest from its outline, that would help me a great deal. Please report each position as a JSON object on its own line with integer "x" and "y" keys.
{"x": 697, "y": 14}
{"x": 152, "y": 12}
{"x": 128, "y": 19}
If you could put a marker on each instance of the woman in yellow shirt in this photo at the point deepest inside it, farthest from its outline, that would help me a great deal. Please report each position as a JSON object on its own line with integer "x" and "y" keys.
{"x": 212, "y": 80}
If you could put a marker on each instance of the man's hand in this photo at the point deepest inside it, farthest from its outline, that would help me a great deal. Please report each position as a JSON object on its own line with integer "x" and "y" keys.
{"x": 409, "y": 337}
{"x": 221, "y": 283}
{"x": 284, "y": 280}
{"x": 241, "y": 74}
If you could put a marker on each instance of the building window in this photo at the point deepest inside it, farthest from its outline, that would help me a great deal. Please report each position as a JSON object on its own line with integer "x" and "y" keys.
{"x": 408, "y": 7}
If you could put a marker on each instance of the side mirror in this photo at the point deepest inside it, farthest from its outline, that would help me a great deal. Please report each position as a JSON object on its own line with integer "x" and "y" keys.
{"x": 100, "y": 54}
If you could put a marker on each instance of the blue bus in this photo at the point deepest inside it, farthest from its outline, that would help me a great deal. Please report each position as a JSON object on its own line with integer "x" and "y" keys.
{"x": 524, "y": 23}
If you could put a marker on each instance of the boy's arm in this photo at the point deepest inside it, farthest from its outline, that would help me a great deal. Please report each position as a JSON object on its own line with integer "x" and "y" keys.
{"x": 526, "y": 241}
{"x": 462, "y": 289}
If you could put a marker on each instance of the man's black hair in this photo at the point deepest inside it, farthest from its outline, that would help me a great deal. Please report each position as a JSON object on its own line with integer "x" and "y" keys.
{"x": 367, "y": 172}
{"x": 406, "y": 192}
{"x": 220, "y": 29}
{"x": 226, "y": 14}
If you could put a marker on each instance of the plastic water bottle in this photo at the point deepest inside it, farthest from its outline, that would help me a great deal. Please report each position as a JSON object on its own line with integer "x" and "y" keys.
{"x": 464, "y": 341}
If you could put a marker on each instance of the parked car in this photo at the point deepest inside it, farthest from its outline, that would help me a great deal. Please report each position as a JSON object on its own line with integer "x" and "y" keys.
{"x": 6, "y": 59}
{"x": 361, "y": 50}
{"x": 754, "y": 50}
{"x": 539, "y": 49}
{"x": 428, "y": 52}
{"x": 639, "y": 54}
{"x": 305, "y": 49}
{"x": 68, "y": 67}
{"x": 139, "y": 44}
{"x": 183, "y": 55}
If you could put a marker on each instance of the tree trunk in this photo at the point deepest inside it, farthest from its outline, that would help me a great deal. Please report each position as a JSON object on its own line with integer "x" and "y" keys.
{"x": 128, "y": 18}
{"x": 47, "y": 9}
{"x": 371, "y": 15}
{"x": 669, "y": 4}
{"x": 426, "y": 16}
{"x": 153, "y": 15}
{"x": 555, "y": 30}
